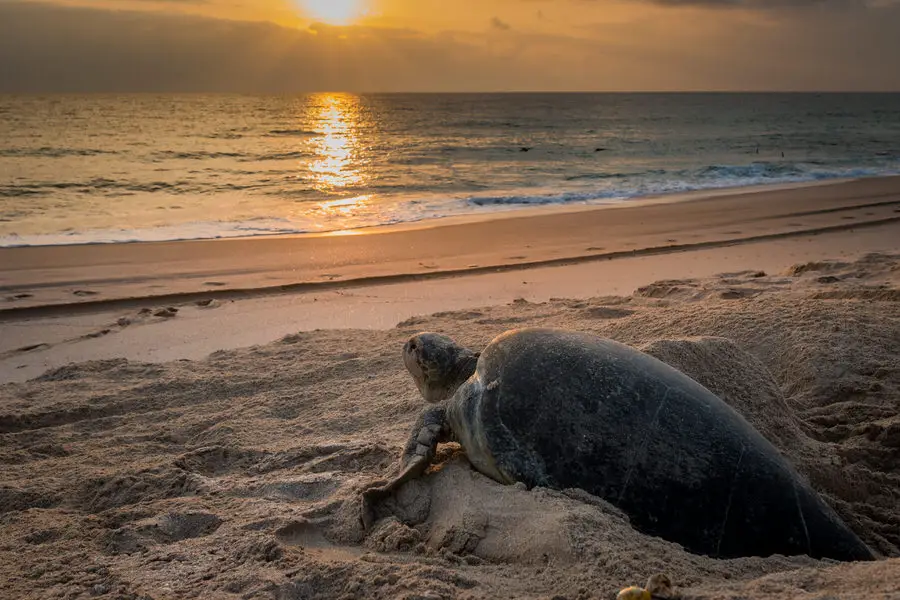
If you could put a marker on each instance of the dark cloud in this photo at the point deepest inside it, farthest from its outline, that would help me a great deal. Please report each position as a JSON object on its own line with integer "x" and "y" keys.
{"x": 50, "y": 48}
{"x": 756, "y": 3}
{"x": 760, "y": 4}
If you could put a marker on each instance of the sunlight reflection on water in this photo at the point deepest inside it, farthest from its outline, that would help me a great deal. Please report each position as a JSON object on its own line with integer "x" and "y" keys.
{"x": 345, "y": 206}
{"x": 338, "y": 118}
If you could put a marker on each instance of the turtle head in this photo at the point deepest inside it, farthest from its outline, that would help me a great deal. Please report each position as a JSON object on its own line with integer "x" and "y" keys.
{"x": 438, "y": 365}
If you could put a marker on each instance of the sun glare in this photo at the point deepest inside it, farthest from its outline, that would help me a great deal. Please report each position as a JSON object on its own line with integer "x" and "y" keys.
{"x": 337, "y": 118}
{"x": 334, "y": 12}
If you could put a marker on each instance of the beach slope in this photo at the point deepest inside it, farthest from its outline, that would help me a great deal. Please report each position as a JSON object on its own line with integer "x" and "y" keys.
{"x": 237, "y": 475}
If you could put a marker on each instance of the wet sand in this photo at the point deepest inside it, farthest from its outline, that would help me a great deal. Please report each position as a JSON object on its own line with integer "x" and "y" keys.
{"x": 98, "y": 275}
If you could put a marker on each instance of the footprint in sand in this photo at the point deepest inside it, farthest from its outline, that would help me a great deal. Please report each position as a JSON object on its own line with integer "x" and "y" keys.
{"x": 516, "y": 257}
{"x": 595, "y": 249}
{"x": 18, "y": 297}
{"x": 166, "y": 313}
{"x": 828, "y": 279}
{"x": 215, "y": 283}
{"x": 85, "y": 293}
{"x": 737, "y": 294}
{"x": 97, "y": 334}
{"x": 31, "y": 348}
{"x": 329, "y": 276}
{"x": 671, "y": 241}
{"x": 848, "y": 218}
{"x": 307, "y": 535}
{"x": 210, "y": 303}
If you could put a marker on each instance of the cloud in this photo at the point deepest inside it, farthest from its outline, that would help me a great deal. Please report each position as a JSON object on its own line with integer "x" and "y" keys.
{"x": 756, "y": 3}
{"x": 496, "y": 23}
{"x": 51, "y": 48}
{"x": 748, "y": 4}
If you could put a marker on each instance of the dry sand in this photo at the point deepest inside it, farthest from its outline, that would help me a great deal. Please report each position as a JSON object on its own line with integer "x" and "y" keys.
{"x": 237, "y": 476}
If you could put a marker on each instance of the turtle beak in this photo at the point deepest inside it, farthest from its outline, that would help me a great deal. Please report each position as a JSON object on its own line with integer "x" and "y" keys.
{"x": 432, "y": 392}
{"x": 433, "y": 361}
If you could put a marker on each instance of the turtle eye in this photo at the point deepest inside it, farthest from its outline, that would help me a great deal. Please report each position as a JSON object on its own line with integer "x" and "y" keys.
{"x": 412, "y": 346}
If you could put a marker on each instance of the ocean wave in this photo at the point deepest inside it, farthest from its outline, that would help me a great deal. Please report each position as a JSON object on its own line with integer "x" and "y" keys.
{"x": 235, "y": 133}
{"x": 49, "y": 152}
{"x": 659, "y": 182}
{"x": 292, "y": 133}
{"x": 280, "y": 156}
{"x": 417, "y": 207}
{"x": 112, "y": 186}
{"x": 481, "y": 123}
{"x": 542, "y": 199}
{"x": 622, "y": 175}
{"x": 757, "y": 170}
{"x": 199, "y": 230}
{"x": 412, "y": 157}
{"x": 224, "y": 136}
{"x": 172, "y": 154}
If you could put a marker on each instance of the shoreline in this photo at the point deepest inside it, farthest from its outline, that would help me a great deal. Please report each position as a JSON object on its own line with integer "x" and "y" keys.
{"x": 491, "y": 215}
{"x": 39, "y": 280}
{"x": 89, "y": 306}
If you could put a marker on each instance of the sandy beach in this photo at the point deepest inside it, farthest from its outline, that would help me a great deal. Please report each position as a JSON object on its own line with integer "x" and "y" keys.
{"x": 196, "y": 419}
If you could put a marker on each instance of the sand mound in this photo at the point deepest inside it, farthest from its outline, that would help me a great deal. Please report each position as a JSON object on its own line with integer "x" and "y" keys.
{"x": 238, "y": 476}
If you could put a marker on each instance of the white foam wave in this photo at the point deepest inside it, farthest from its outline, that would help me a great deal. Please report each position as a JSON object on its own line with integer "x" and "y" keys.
{"x": 414, "y": 209}
{"x": 208, "y": 230}
{"x": 708, "y": 178}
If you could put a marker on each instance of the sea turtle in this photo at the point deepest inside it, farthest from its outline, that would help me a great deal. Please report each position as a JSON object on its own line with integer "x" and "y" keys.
{"x": 564, "y": 409}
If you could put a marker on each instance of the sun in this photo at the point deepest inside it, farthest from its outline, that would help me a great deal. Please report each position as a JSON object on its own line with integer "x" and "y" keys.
{"x": 333, "y": 12}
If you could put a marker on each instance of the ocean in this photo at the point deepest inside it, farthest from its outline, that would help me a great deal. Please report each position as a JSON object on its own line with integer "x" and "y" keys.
{"x": 94, "y": 169}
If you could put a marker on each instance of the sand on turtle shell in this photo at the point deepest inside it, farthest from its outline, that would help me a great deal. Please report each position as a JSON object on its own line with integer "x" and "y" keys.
{"x": 238, "y": 476}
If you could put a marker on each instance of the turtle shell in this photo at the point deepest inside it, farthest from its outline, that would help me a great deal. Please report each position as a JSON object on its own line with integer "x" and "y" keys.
{"x": 564, "y": 409}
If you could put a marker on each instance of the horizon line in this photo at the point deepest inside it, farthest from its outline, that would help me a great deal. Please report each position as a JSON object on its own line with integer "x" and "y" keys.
{"x": 428, "y": 93}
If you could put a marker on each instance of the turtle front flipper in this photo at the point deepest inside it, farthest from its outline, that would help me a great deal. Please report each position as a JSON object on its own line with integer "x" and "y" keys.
{"x": 430, "y": 429}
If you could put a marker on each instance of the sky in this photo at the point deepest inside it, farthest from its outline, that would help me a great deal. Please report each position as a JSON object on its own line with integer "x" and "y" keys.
{"x": 291, "y": 46}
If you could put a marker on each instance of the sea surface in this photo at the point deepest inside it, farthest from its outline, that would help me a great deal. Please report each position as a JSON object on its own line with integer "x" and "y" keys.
{"x": 89, "y": 169}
